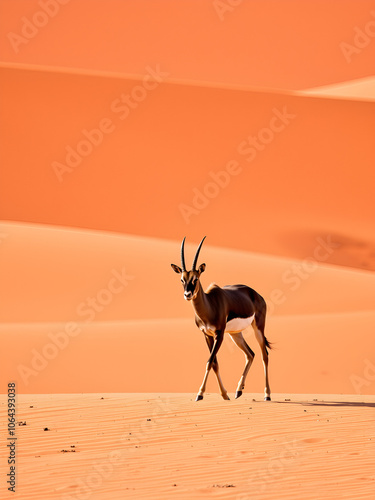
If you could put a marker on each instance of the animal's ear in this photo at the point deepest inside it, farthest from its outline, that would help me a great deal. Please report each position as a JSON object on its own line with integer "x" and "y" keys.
{"x": 176, "y": 269}
{"x": 201, "y": 268}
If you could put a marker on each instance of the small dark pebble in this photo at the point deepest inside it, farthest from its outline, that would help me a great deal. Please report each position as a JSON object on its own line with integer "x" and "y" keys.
{"x": 149, "y": 420}
{"x": 46, "y": 429}
{"x": 22, "y": 422}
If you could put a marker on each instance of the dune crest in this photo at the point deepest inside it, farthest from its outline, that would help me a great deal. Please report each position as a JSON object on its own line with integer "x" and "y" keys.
{"x": 362, "y": 88}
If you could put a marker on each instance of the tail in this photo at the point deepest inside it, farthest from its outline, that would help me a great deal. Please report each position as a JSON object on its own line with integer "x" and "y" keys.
{"x": 268, "y": 344}
{"x": 260, "y": 320}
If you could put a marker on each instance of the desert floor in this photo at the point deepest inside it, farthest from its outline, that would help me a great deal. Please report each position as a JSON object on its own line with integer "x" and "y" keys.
{"x": 253, "y": 126}
{"x": 115, "y": 446}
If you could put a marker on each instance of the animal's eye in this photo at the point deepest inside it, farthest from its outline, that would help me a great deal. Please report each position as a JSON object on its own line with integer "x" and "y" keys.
{"x": 182, "y": 281}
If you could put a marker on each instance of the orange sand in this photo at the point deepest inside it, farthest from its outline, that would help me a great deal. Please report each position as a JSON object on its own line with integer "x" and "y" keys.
{"x": 142, "y": 336}
{"x": 287, "y": 44}
{"x": 149, "y": 174}
{"x": 167, "y": 446}
{"x": 253, "y": 127}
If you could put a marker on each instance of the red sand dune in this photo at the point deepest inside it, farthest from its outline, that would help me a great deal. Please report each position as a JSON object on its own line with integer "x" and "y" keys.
{"x": 114, "y": 302}
{"x": 288, "y": 44}
{"x": 159, "y": 171}
{"x": 77, "y": 265}
{"x": 313, "y": 353}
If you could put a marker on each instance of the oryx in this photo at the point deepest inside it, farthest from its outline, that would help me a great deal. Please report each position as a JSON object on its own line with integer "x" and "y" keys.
{"x": 229, "y": 309}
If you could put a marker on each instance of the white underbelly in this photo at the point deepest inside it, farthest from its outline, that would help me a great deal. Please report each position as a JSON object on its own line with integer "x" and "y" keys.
{"x": 239, "y": 324}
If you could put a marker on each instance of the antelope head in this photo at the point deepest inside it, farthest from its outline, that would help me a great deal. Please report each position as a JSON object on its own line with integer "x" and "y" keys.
{"x": 190, "y": 279}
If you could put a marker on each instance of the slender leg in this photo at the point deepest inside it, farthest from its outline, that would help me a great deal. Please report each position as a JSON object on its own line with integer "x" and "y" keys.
{"x": 215, "y": 366}
{"x": 215, "y": 347}
{"x": 249, "y": 354}
{"x": 260, "y": 338}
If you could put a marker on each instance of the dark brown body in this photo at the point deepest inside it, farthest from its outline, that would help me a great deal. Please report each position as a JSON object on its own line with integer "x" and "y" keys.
{"x": 230, "y": 309}
{"x": 227, "y": 303}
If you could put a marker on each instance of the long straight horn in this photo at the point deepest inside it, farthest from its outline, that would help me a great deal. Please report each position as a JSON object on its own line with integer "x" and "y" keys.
{"x": 183, "y": 255}
{"x": 197, "y": 254}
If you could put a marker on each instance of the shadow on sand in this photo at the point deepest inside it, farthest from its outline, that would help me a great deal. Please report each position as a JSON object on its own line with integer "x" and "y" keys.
{"x": 333, "y": 404}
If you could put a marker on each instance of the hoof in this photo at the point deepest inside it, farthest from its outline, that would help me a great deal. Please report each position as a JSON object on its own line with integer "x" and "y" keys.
{"x": 226, "y": 397}
{"x": 199, "y": 398}
{"x": 267, "y": 398}
{"x": 238, "y": 394}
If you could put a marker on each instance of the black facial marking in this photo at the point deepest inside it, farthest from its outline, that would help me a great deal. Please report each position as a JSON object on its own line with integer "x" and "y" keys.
{"x": 190, "y": 287}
